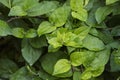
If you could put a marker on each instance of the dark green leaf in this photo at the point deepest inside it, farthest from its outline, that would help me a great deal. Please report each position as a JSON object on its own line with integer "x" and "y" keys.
{"x": 30, "y": 54}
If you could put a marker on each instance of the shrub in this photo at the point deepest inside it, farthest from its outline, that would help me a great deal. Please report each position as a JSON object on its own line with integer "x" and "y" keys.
{"x": 59, "y": 39}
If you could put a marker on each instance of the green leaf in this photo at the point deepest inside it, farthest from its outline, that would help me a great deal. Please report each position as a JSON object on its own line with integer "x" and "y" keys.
{"x": 76, "y": 4}
{"x": 59, "y": 16}
{"x": 81, "y": 14}
{"x": 7, "y": 67}
{"x": 114, "y": 67}
{"x": 82, "y": 31}
{"x": 21, "y": 74}
{"x": 42, "y": 8}
{"x": 49, "y": 60}
{"x": 77, "y": 75}
{"x": 101, "y": 59}
{"x": 38, "y": 42}
{"x": 7, "y": 3}
{"x": 116, "y": 31}
{"x": 86, "y": 75}
{"x": 17, "y": 11}
{"x": 18, "y": 32}
{"x": 77, "y": 58}
{"x": 4, "y": 29}
{"x": 93, "y": 43}
{"x": 45, "y": 27}
{"x": 108, "y": 2}
{"x": 31, "y": 33}
{"x": 54, "y": 43}
{"x": 102, "y": 13}
{"x": 62, "y": 66}
{"x": 30, "y": 54}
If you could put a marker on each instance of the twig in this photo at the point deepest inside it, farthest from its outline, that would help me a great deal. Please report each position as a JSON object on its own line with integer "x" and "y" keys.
{"x": 13, "y": 18}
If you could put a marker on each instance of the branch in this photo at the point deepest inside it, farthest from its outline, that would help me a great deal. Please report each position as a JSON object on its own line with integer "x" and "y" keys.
{"x": 13, "y": 18}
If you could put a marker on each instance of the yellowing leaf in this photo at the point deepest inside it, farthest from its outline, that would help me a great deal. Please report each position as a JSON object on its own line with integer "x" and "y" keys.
{"x": 62, "y": 66}
{"x": 81, "y": 14}
{"x": 76, "y": 4}
{"x": 77, "y": 58}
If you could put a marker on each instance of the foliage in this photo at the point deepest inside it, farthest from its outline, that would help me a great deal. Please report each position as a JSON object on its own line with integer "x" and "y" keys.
{"x": 59, "y": 39}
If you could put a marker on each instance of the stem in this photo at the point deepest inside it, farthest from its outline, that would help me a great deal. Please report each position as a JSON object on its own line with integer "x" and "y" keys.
{"x": 11, "y": 19}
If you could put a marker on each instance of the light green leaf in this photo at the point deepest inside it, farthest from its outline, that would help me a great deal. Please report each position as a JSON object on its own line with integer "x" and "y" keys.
{"x": 62, "y": 66}
{"x": 102, "y": 13}
{"x": 82, "y": 31}
{"x": 42, "y": 8}
{"x": 17, "y": 11}
{"x": 54, "y": 43}
{"x": 30, "y": 54}
{"x": 45, "y": 27}
{"x": 4, "y": 29}
{"x": 7, "y": 3}
{"x": 76, "y": 4}
{"x": 18, "y": 32}
{"x": 77, "y": 58}
{"x": 86, "y": 75}
{"x": 77, "y": 75}
{"x": 59, "y": 16}
{"x": 31, "y": 33}
{"x": 110, "y": 1}
{"x": 93, "y": 43}
{"x": 7, "y": 67}
{"x": 81, "y": 14}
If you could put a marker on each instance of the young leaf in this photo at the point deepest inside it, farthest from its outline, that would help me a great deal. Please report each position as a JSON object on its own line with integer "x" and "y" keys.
{"x": 76, "y": 4}
{"x": 82, "y": 14}
{"x": 30, "y": 54}
{"x": 17, "y": 11}
{"x": 110, "y": 1}
{"x": 54, "y": 43}
{"x": 59, "y": 16}
{"x": 82, "y": 31}
{"x": 102, "y": 13}
{"x": 4, "y": 29}
{"x": 45, "y": 27}
{"x": 93, "y": 43}
{"x": 77, "y": 58}
{"x": 62, "y": 66}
